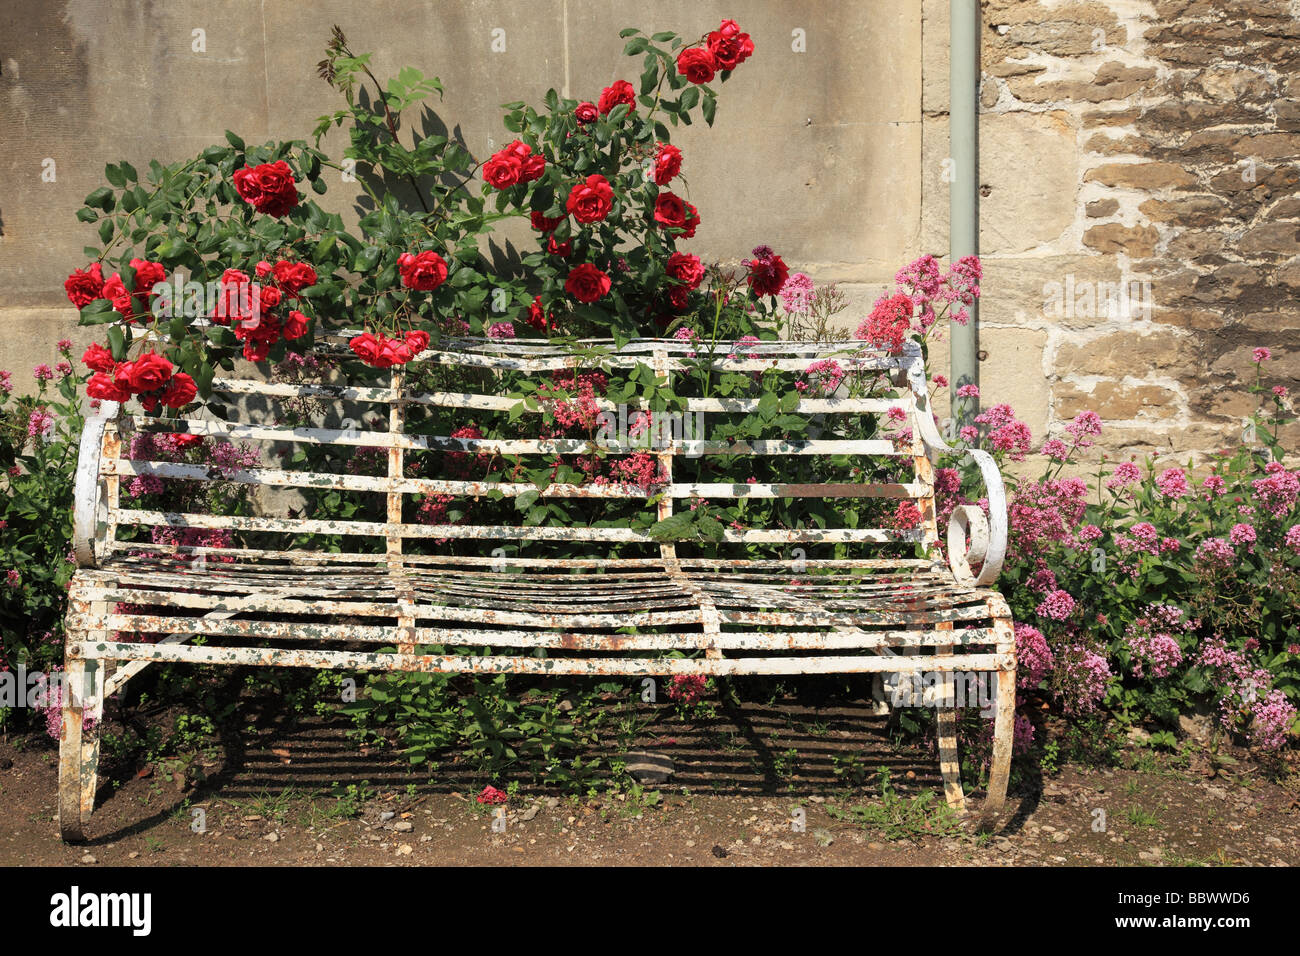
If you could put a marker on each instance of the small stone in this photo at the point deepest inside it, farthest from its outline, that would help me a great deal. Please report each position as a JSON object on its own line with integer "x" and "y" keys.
{"x": 648, "y": 767}
{"x": 690, "y": 843}
{"x": 252, "y": 818}
{"x": 405, "y": 849}
{"x": 320, "y": 847}
{"x": 134, "y": 854}
{"x": 530, "y": 812}
{"x": 552, "y": 802}
{"x": 1059, "y": 838}
{"x": 386, "y": 815}
{"x": 404, "y": 826}
{"x": 272, "y": 838}
{"x": 88, "y": 858}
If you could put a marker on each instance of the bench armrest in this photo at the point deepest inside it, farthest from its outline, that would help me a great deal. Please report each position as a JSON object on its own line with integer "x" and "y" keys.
{"x": 988, "y": 536}
{"x": 88, "y": 490}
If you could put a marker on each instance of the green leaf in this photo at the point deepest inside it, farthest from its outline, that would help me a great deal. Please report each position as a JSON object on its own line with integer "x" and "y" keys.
{"x": 234, "y": 140}
{"x": 106, "y": 231}
{"x": 526, "y": 499}
{"x": 690, "y": 96}
{"x": 101, "y": 198}
{"x": 710, "y": 108}
{"x": 114, "y": 175}
{"x": 117, "y": 344}
{"x": 86, "y": 214}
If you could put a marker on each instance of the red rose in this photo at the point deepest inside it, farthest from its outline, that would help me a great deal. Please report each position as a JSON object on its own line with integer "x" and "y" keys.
{"x": 537, "y": 317}
{"x": 292, "y": 277}
{"x": 98, "y": 358}
{"x": 686, "y": 268}
{"x": 729, "y": 46}
{"x": 147, "y": 275}
{"x": 423, "y": 272}
{"x": 183, "y": 439}
{"x": 544, "y": 223}
{"x": 295, "y": 326}
{"x": 503, "y": 170}
{"x": 696, "y": 64}
{"x": 148, "y": 372}
{"x": 767, "y": 275}
{"x": 692, "y": 220}
{"x": 103, "y": 387}
{"x": 366, "y": 346}
{"x": 668, "y": 163}
{"x": 620, "y": 92}
{"x": 83, "y": 287}
{"x": 679, "y": 296}
{"x": 670, "y": 211}
{"x": 262, "y": 269}
{"x": 590, "y": 201}
{"x": 586, "y": 113}
{"x": 115, "y": 291}
{"x": 561, "y": 249}
{"x": 235, "y": 300}
{"x": 586, "y": 283}
{"x": 234, "y": 277}
{"x": 268, "y": 296}
{"x": 180, "y": 391}
{"x": 534, "y": 168}
{"x": 392, "y": 352}
{"x": 417, "y": 340}
{"x": 268, "y": 187}
{"x": 256, "y": 350}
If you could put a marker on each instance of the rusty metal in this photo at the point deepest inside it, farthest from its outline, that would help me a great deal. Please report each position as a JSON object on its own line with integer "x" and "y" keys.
{"x": 134, "y": 602}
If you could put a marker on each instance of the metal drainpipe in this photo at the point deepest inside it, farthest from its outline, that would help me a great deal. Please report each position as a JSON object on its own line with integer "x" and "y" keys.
{"x": 964, "y": 217}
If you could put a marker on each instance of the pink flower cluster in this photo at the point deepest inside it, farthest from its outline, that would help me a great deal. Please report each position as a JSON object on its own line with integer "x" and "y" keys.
{"x": 1033, "y": 656}
{"x": 797, "y": 294}
{"x": 1277, "y": 492}
{"x": 1005, "y": 432}
{"x": 686, "y": 688}
{"x": 1152, "y": 642}
{"x": 1248, "y": 697}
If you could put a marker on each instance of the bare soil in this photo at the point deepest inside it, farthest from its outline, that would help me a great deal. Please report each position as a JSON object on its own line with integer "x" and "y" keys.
{"x": 280, "y": 797}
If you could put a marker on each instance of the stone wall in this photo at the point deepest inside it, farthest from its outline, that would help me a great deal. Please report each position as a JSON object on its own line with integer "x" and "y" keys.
{"x": 1140, "y": 161}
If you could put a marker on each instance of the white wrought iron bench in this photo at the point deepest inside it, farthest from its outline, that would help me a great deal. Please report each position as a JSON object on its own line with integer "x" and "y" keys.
{"x": 397, "y": 594}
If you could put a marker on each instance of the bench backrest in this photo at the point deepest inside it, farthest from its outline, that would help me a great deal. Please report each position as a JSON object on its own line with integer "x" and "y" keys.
{"x": 409, "y": 474}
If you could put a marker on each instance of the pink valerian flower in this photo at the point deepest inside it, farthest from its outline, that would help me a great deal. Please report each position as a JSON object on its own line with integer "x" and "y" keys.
{"x": 687, "y": 688}
{"x": 641, "y": 470}
{"x": 1056, "y": 449}
{"x": 42, "y": 373}
{"x": 492, "y": 796}
{"x": 889, "y": 323}
{"x": 1243, "y": 534}
{"x": 1057, "y": 605}
{"x": 1088, "y": 533}
{"x": 687, "y": 334}
{"x": 1033, "y": 657}
{"x": 896, "y": 414}
{"x": 63, "y": 368}
{"x": 1172, "y": 483}
{"x": 1043, "y": 580}
{"x": 501, "y": 330}
{"x": 13, "y": 578}
{"x": 744, "y": 342}
{"x": 1270, "y": 721}
{"x": 797, "y": 294}
{"x": 64, "y": 345}
{"x": 1086, "y": 426}
{"x": 940, "y": 381}
{"x": 1087, "y": 675}
{"x": 1261, "y": 355}
{"x": 1292, "y": 538}
{"x": 1125, "y": 474}
{"x": 1215, "y": 553}
{"x": 1006, "y": 433}
{"x": 1142, "y": 537}
{"x": 1280, "y": 391}
{"x": 968, "y": 433}
{"x": 40, "y": 424}
{"x": 968, "y": 391}
{"x": 947, "y": 481}
{"x": 907, "y": 515}
{"x": 1045, "y": 512}
{"x": 821, "y": 378}
{"x": 1152, "y": 642}
{"x": 1214, "y": 486}
{"x": 6, "y": 382}
{"x": 1277, "y": 493}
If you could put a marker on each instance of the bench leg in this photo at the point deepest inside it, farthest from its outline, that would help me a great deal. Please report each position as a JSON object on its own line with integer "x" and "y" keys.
{"x": 82, "y": 709}
{"x": 1003, "y": 732}
{"x": 946, "y": 728}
